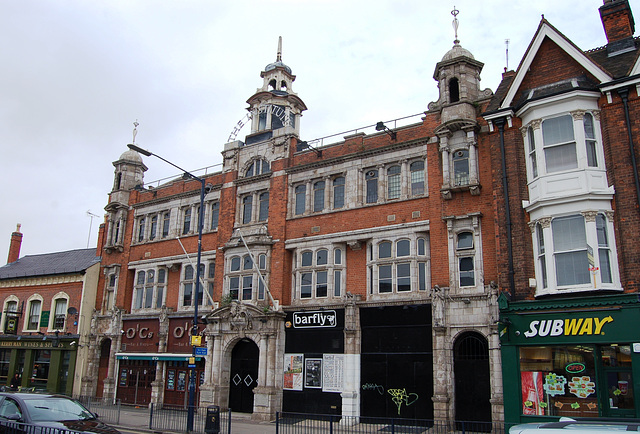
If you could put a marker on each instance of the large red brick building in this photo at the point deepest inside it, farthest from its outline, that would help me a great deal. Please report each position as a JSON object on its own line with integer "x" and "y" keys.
{"x": 349, "y": 275}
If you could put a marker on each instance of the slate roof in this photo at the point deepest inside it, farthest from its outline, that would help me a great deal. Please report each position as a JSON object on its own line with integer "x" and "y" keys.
{"x": 72, "y": 261}
{"x": 618, "y": 65}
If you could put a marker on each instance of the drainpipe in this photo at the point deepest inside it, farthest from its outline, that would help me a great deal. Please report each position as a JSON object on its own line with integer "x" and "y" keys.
{"x": 505, "y": 187}
{"x": 624, "y": 94}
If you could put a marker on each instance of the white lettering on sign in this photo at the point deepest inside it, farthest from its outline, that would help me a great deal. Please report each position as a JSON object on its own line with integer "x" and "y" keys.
{"x": 142, "y": 332}
{"x": 325, "y": 318}
{"x": 567, "y": 327}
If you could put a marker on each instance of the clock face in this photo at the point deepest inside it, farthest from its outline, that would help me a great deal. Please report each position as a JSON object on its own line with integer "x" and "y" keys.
{"x": 279, "y": 119}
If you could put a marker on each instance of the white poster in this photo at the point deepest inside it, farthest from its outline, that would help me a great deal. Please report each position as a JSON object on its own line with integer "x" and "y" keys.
{"x": 333, "y": 373}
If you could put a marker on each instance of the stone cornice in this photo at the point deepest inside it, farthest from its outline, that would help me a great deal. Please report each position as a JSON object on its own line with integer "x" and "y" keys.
{"x": 41, "y": 281}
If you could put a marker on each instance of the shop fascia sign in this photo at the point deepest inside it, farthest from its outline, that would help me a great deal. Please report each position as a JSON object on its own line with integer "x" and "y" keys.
{"x": 315, "y": 319}
{"x": 579, "y": 326}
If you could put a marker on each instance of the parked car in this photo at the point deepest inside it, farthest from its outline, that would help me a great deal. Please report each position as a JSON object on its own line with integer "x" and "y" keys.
{"x": 23, "y": 410}
{"x": 576, "y": 426}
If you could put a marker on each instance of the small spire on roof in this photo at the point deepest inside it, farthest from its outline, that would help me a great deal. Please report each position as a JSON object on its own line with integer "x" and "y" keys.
{"x": 135, "y": 131}
{"x": 279, "y": 56}
{"x": 455, "y": 13}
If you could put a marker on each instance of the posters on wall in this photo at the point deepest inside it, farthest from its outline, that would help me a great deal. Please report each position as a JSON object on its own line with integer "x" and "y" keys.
{"x": 332, "y": 372}
{"x": 293, "y": 371}
{"x": 326, "y": 373}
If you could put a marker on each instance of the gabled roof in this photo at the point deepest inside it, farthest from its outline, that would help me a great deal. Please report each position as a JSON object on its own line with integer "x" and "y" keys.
{"x": 72, "y": 261}
{"x": 546, "y": 30}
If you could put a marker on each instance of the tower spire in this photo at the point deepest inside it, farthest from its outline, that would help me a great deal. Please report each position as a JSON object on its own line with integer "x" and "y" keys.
{"x": 279, "y": 55}
{"x": 454, "y": 23}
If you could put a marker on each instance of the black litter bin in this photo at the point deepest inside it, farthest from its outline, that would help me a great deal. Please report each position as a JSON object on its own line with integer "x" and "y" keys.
{"x": 212, "y": 423}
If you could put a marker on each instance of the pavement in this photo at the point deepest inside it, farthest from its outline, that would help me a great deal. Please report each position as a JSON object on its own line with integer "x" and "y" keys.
{"x": 136, "y": 420}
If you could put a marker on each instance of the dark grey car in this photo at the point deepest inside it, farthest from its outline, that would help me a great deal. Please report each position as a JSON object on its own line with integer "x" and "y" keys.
{"x": 51, "y": 411}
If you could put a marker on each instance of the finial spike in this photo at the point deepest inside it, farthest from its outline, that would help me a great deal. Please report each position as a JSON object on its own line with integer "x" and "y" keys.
{"x": 279, "y": 56}
{"x": 455, "y": 13}
{"x": 135, "y": 131}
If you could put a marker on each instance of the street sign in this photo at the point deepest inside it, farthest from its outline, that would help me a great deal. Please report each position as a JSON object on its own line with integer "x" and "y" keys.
{"x": 201, "y": 351}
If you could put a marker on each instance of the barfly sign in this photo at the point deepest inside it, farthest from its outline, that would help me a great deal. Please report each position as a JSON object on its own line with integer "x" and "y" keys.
{"x": 324, "y": 318}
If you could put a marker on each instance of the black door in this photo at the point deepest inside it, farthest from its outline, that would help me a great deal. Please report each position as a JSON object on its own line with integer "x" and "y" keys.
{"x": 244, "y": 376}
{"x": 472, "y": 380}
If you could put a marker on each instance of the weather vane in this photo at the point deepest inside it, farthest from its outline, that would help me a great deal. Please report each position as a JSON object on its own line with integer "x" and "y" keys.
{"x": 135, "y": 131}
{"x": 455, "y": 13}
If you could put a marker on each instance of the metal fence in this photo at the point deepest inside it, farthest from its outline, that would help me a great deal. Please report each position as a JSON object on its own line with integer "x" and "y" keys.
{"x": 294, "y": 423}
{"x": 164, "y": 417}
{"x": 106, "y": 410}
{"x": 9, "y": 427}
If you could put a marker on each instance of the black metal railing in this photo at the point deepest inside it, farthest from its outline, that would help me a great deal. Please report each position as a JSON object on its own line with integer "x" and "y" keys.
{"x": 9, "y": 427}
{"x": 164, "y": 417}
{"x": 106, "y": 410}
{"x": 287, "y": 423}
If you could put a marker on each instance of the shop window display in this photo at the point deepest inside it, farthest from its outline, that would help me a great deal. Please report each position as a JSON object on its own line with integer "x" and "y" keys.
{"x": 558, "y": 381}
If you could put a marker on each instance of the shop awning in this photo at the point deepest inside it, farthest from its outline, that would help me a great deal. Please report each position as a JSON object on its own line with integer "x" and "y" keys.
{"x": 156, "y": 356}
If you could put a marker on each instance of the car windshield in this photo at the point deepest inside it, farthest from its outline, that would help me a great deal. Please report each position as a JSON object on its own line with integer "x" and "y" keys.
{"x": 56, "y": 409}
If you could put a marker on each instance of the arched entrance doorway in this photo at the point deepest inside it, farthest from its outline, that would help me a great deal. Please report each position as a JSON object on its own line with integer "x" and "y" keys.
{"x": 472, "y": 379}
{"x": 244, "y": 376}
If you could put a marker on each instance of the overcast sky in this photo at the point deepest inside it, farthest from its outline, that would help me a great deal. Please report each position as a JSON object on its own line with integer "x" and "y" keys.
{"x": 76, "y": 74}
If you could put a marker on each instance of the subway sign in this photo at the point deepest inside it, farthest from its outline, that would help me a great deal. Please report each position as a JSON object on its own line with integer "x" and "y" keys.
{"x": 580, "y": 326}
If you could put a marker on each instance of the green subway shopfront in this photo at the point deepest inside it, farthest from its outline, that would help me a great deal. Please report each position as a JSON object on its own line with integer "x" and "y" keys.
{"x": 570, "y": 357}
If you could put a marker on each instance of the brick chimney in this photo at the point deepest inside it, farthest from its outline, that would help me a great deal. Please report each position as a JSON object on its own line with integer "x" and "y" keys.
{"x": 14, "y": 247}
{"x": 617, "y": 20}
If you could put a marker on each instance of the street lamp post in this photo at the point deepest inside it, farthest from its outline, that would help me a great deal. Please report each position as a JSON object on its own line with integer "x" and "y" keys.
{"x": 192, "y": 377}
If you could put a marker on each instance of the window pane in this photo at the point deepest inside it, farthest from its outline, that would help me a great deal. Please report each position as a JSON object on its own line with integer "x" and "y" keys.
{"x": 372, "y": 186}
{"x": 215, "y": 214}
{"x": 301, "y": 193}
{"x": 322, "y": 256}
{"x": 264, "y": 207}
{"x": 601, "y": 230}
{"x": 141, "y": 230}
{"x": 569, "y": 233}
{"x": 384, "y": 250}
{"x": 404, "y": 277}
{"x": 262, "y": 262}
{"x": 188, "y": 293}
{"x": 247, "y": 287}
{"x": 186, "y": 226}
{"x": 247, "y": 263}
{"x": 465, "y": 240}
{"x": 235, "y": 263}
{"x": 305, "y": 285}
{"x": 247, "y": 204}
{"x": 557, "y": 130}
{"x": 188, "y": 272}
{"x": 572, "y": 268}
{"x": 148, "y": 297}
{"x": 532, "y": 152}
{"x": 165, "y": 224}
{"x": 422, "y": 247}
{"x": 318, "y": 196}
{"x": 338, "y": 192}
{"x": 337, "y": 283}
{"x": 561, "y": 157}
{"x": 605, "y": 265}
{"x": 403, "y": 248}
{"x": 159, "y": 297}
{"x": 466, "y": 272}
{"x": 141, "y": 278}
{"x": 384, "y": 279}
{"x": 461, "y": 167}
{"x": 234, "y": 285}
{"x": 393, "y": 182}
{"x": 422, "y": 276}
{"x": 154, "y": 227}
{"x": 321, "y": 284}
{"x": 337, "y": 256}
{"x": 138, "y": 300}
{"x": 417, "y": 178}
{"x": 307, "y": 259}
